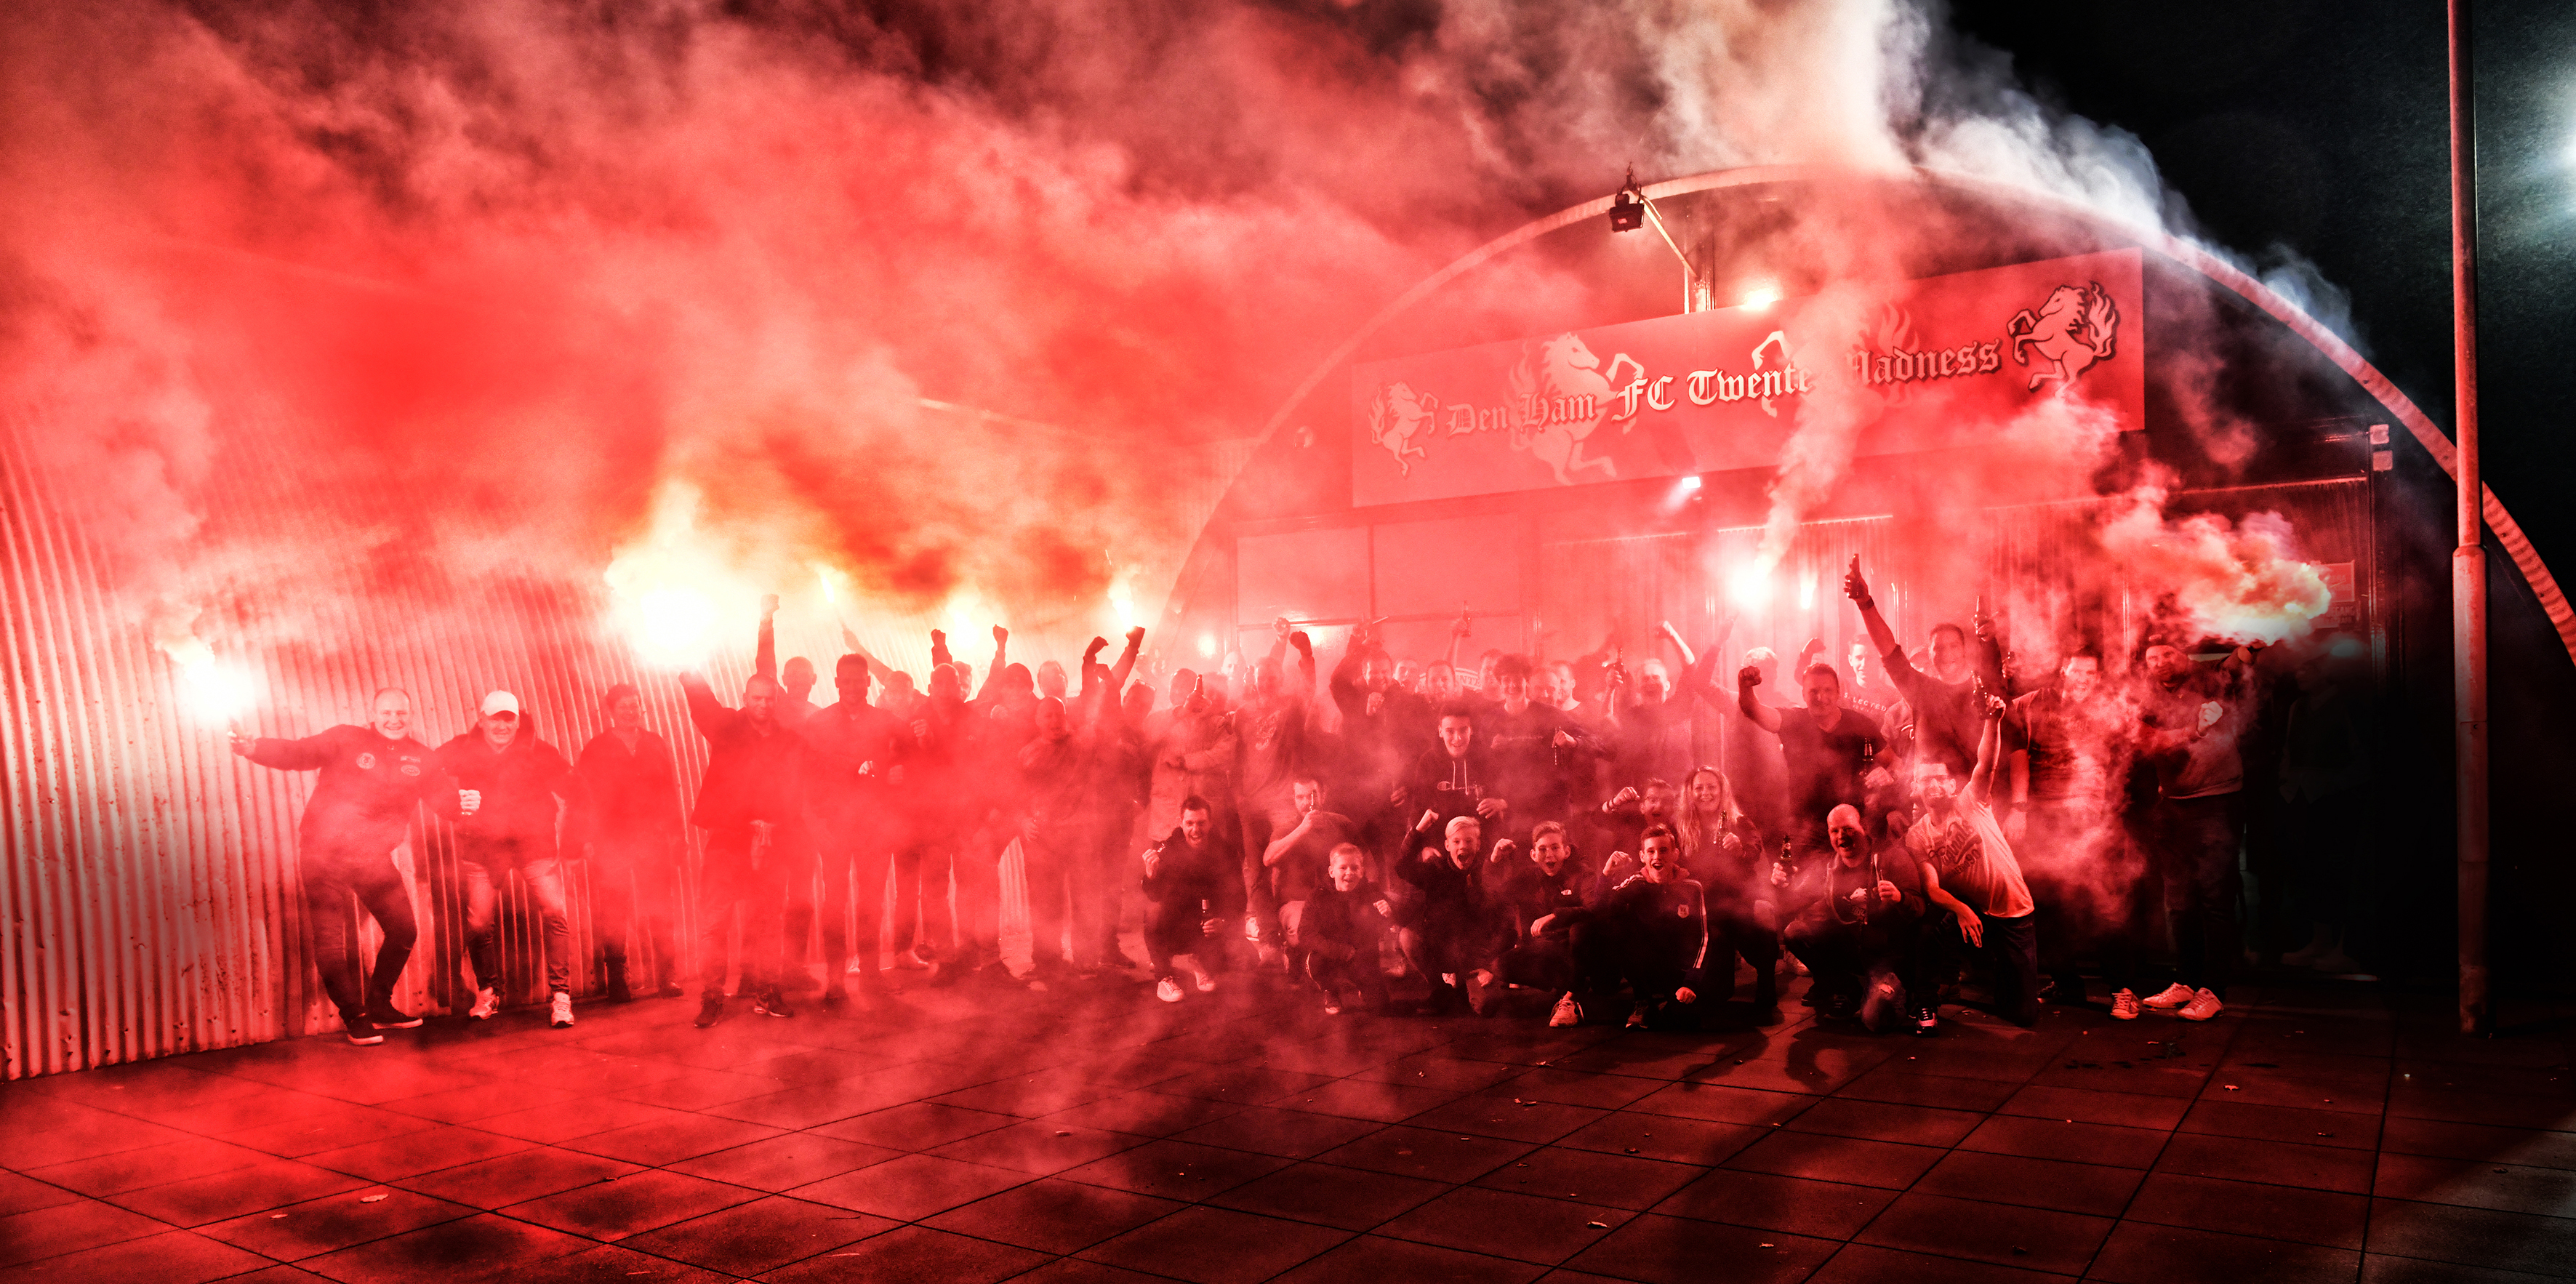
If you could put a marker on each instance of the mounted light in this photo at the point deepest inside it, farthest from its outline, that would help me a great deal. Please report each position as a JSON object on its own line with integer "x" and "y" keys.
{"x": 1627, "y": 212}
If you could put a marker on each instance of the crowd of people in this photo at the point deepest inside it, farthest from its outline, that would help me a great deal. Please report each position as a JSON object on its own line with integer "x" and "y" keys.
{"x": 1592, "y": 840}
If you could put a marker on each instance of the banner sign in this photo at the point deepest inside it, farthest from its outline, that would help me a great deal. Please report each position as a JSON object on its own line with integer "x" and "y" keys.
{"x": 1930, "y": 364}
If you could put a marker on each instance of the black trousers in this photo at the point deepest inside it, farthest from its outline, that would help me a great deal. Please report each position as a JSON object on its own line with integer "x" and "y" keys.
{"x": 2196, "y": 844}
{"x": 335, "y": 887}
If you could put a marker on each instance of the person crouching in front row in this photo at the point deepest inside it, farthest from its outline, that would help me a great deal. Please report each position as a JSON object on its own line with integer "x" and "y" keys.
{"x": 1340, "y": 929}
{"x": 1187, "y": 880}
{"x": 1858, "y": 928}
{"x": 1449, "y": 931}
{"x": 1654, "y": 929}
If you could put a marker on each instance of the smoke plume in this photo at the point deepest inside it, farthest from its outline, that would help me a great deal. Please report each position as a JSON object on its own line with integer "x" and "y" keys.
{"x": 687, "y": 290}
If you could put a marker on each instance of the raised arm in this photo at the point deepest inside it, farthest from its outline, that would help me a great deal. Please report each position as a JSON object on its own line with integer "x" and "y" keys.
{"x": 1126, "y": 662}
{"x": 1989, "y": 748}
{"x": 939, "y": 649}
{"x": 706, "y": 713}
{"x": 764, "y": 656}
{"x": 1001, "y": 656}
{"x": 1880, "y": 636}
{"x": 307, "y": 754}
{"x": 1674, "y": 636}
{"x": 1763, "y": 715}
{"x": 850, "y": 643}
{"x": 1458, "y": 631}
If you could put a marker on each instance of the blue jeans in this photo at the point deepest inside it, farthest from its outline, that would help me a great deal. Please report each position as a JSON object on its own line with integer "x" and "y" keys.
{"x": 479, "y": 868}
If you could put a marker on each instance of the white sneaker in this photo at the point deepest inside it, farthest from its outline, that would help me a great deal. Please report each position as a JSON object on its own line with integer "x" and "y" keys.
{"x": 486, "y": 1002}
{"x": 2171, "y": 997}
{"x": 1205, "y": 984}
{"x": 1168, "y": 990}
{"x": 2202, "y": 1007}
{"x": 1637, "y": 1017}
{"x": 1568, "y": 1012}
{"x": 2124, "y": 1006}
{"x": 562, "y": 1018}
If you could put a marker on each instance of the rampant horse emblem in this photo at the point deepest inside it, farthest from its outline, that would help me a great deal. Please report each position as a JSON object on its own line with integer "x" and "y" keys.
{"x": 2070, "y": 332}
{"x": 1560, "y": 394}
{"x": 1396, "y": 417}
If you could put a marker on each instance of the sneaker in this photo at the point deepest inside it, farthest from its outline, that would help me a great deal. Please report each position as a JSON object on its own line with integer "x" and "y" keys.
{"x": 1168, "y": 990}
{"x": 561, "y": 1017}
{"x": 1568, "y": 1012}
{"x": 710, "y": 1010}
{"x": 772, "y": 1002}
{"x": 2202, "y": 1007}
{"x": 835, "y": 996}
{"x": 1927, "y": 1022}
{"x": 2124, "y": 1006}
{"x": 389, "y": 1017}
{"x": 2171, "y": 997}
{"x": 1637, "y": 1017}
{"x": 1204, "y": 983}
{"x": 1332, "y": 1005}
{"x": 486, "y": 1002}
{"x": 361, "y": 1031}
{"x": 670, "y": 990}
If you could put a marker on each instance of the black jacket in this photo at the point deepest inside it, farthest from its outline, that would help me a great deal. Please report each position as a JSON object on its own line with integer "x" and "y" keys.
{"x": 362, "y": 804}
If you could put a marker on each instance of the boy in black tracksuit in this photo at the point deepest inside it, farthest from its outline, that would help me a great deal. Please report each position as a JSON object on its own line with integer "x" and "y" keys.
{"x": 1654, "y": 929}
{"x": 1554, "y": 880}
{"x": 1193, "y": 883}
{"x": 1450, "y": 930}
{"x": 1340, "y": 929}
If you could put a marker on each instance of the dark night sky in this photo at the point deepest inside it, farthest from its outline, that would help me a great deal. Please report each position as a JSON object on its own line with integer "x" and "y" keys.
{"x": 2319, "y": 126}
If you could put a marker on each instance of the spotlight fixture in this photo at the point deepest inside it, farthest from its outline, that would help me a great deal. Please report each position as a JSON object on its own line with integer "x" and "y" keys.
{"x": 1627, "y": 210}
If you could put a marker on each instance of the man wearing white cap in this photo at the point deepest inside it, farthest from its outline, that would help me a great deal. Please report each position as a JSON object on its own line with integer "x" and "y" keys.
{"x": 515, "y": 781}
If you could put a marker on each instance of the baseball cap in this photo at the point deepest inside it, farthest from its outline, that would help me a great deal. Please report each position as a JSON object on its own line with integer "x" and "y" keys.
{"x": 500, "y": 702}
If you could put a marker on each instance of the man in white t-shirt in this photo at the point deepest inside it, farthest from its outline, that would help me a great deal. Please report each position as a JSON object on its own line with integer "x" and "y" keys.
{"x": 1969, "y": 870}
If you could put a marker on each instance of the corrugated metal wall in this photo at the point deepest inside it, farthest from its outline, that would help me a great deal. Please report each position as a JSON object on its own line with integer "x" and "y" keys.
{"x": 149, "y": 882}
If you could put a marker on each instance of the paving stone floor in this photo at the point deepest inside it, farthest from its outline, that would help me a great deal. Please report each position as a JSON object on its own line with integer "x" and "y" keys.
{"x": 2323, "y": 1132}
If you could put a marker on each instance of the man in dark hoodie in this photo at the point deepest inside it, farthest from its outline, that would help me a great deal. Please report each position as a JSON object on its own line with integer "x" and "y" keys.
{"x": 1192, "y": 887}
{"x": 373, "y": 778}
{"x": 527, "y": 790}
{"x": 855, "y": 756}
{"x": 1004, "y": 718}
{"x": 633, "y": 797}
{"x": 751, "y": 805}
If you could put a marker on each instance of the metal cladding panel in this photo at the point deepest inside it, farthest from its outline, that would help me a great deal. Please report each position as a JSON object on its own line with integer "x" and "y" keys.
{"x": 150, "y": 881}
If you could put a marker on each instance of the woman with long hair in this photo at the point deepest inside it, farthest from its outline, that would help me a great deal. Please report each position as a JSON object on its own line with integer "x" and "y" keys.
{"x": 1723, "y": 850}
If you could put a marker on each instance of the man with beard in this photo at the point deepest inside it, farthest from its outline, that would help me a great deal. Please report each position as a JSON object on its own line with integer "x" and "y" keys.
{"x": 373, "y": 778}
{"x": 526, "y": 788}
{"x": 633, "y": 796}
{"x": 1856, "y": 932}
{"x": 1293, "y": 864}
{"x": 751, "y": 805}
{"x": 2191, "y": 719}
{"x": 1969, "y": 870}
{"x": 2067, "y": 759}
{"x": 855, "y": 762}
